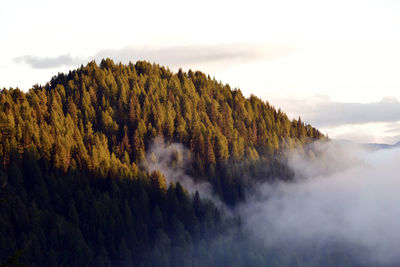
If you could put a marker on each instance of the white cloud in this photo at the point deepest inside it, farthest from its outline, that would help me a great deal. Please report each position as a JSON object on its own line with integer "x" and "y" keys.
{"x": 322, "y": 111}
{"x": 172, "y": 56}
{"x": 47, "y": 62}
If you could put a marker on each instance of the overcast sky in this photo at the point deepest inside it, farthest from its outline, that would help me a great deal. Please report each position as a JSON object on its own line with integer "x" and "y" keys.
{"x": 335, "y": 63}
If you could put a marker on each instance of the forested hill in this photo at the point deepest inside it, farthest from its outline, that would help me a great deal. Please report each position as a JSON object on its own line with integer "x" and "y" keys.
{"x": 103, "y": 118}
{"x": 73, "y": 188}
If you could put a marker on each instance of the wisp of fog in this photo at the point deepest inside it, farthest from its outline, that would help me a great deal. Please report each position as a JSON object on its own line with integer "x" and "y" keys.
{"x": 172, "y": 160}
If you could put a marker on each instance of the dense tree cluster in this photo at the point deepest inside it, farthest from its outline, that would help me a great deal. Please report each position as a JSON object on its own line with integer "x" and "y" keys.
{"x": 78, "y": 219}
{"x": 71, "y": 154}
{"x": 103, "y": 118}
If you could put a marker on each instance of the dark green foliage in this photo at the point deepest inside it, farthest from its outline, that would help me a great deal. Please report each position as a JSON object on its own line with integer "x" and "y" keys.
{"x": 85, "y": 220}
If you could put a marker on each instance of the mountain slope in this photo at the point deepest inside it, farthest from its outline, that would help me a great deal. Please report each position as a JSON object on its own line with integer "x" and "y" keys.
{"x": 104, "y": 118}
{"x": 74, "y": 152}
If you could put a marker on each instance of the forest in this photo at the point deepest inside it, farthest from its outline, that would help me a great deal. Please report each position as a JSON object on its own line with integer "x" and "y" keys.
{"x": 75, "y": 190}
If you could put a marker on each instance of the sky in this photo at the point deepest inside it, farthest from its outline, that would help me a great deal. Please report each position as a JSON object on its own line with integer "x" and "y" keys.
{"x": 334, "y": 63}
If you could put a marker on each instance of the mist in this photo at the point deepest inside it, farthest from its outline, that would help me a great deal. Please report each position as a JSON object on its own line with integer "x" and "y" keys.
{"x": 343, "y": 198}
{"x": 172, "y": 160}
{"x": 344, "y": 195}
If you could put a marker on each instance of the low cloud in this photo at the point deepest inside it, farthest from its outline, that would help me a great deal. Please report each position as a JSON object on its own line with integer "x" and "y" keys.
{"x": 36, "y": 62}
{"x": 342, "y": 205}
{"x": 344, "y": 194}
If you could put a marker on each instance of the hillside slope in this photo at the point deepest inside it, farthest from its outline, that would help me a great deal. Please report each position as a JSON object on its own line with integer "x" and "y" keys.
{"x": 75, "y": 187}
{"x": 104, "y": 118}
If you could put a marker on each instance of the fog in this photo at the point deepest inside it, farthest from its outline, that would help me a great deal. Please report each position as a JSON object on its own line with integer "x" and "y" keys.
{"x": 342, "y": 195}
{"x": 172, "y": 160}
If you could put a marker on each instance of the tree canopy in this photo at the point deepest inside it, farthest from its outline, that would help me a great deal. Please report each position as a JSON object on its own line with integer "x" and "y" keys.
{"x": 72, "y": 154}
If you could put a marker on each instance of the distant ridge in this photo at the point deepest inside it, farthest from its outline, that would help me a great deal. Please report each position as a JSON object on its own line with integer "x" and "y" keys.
{"x": 382, "y": 146}
{"x": 370, "y": 146}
